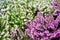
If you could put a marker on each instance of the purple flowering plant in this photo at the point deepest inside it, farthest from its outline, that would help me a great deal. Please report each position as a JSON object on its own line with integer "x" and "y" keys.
{"x": 45, "y": 27}
{"x": 42, "y": 27}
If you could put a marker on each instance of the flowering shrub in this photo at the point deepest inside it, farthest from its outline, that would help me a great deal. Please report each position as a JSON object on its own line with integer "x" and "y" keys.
{"x": 13, "y": 14}
{"x": 56, "y": 6}
{"x": 45, "y": 27}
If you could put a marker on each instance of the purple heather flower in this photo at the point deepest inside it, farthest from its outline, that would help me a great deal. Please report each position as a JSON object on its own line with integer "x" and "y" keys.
{"x": 56, "y": 5}
{"x": 41, "y": 34}
{"x": 43, "y": 28}
{"x": 28, "y": 30}
{"x": 45, "y": 38}
{"x": 56, "y": 23}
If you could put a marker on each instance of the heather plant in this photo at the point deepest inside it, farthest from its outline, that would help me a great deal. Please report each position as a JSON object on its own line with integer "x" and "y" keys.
{"x": 18, "y": 9}
{"x": 13, "y": 14}
{"x": 56, "y": 7}
{"x": 44, "y": 28}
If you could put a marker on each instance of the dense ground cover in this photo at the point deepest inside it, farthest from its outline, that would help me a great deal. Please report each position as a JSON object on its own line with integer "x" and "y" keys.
{"x": 13, "y": 14}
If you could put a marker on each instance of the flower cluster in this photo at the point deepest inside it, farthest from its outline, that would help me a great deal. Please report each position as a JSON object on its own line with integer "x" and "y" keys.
{"x": 56, "y": 6}
{"x": 45, "y": 27}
